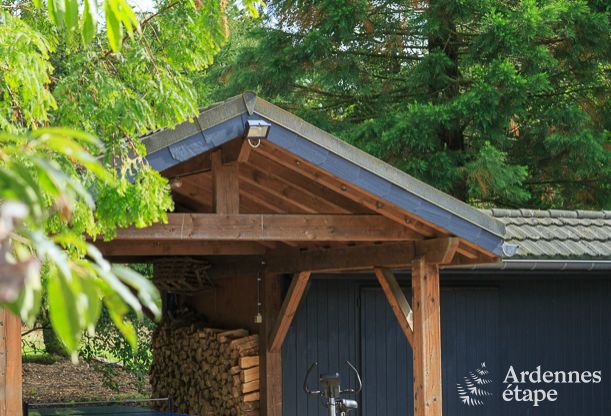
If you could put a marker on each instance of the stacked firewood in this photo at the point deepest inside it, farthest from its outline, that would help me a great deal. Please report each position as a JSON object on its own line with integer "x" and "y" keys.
{"x": 206, "y": 371}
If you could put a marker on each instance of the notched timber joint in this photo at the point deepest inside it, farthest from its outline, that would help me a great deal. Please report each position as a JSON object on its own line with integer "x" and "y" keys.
{"x": 437, "y": 250}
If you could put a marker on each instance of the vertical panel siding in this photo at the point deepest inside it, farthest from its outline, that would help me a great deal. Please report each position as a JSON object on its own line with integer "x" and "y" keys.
{"x": 559, "y": 323}
{"x": 326, "y": 330}
{"x": 386, "y": 358}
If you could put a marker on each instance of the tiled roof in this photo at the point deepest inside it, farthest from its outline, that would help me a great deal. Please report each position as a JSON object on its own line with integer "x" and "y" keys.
{"x": 556, "y": 234}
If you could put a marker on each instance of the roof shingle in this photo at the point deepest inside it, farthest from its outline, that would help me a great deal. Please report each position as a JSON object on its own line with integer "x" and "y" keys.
{"x": 557, "y": 234}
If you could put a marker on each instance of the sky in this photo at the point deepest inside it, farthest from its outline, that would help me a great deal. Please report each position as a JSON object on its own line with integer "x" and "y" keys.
{"x": 142, "y": 5}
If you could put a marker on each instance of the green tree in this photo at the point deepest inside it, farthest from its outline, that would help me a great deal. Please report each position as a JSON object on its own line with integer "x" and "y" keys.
{"x": 499, "y": 103}
{"x": 59, "y": 186}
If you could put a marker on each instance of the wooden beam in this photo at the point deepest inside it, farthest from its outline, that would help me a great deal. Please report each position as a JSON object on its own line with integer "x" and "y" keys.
{"x": 426, "y": 345}
{"x": 271, "y": 362}
{"x": 245, "y": 151}
{"x": 178, "y": 248}
{"x": 392, "y": 255}
{"x": 303, "y": 198}
{"x": 226, "y": 185}
{"x": 288, "y": 310}
{"x": 270, "y": 200}
{"x": 398, "y": 302}
{"x": 437, "y": 250}
{"x": 468, "y": 252}
{"x": 349, "y": 190}
{"x": 274, "y": 227}
{"x": 306, "y": 184}
{"x": 10, "y": 364}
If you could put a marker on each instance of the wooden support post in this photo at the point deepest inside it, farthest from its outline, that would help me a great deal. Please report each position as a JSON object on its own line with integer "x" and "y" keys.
{"x": 10, "y": 364}
{"x": 427, "y": 339}
{"x": 271, "y": 362}
{"x": 225, "y": 182}
{"x": 288, "y": 310}
{"x": 398, "y": 302}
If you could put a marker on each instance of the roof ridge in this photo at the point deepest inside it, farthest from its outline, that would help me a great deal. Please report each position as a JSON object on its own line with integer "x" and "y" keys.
{"x": 547, "y": 213}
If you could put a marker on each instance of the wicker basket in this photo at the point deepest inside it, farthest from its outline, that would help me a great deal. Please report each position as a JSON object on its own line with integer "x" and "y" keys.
{"x": 181, "y": 275}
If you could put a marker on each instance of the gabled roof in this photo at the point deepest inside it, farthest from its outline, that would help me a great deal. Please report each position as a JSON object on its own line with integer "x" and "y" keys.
{"x": 225, "y": 121}
{"x": 556, "y": 234}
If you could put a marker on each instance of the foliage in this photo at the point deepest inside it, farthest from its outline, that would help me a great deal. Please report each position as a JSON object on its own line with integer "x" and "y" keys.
{"x": 107, "y": 343}
{"x": 62, "y": 187}
{"x": 498, "y": 103}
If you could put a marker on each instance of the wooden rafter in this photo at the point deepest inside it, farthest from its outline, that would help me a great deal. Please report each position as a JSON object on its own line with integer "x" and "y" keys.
{"x": 272, "y": 201}
{"x": 271, "y": 227}
{"x": 309, "y": 200}
{"x": 288, "y": 310}
{"x": 348, "y": 190}
{"x": 303, "y": 182}
{"x": 303, "y": 201}
{"x": 398, "y": 302}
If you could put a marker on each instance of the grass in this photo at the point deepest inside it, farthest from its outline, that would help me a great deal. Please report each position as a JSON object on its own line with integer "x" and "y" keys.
{"x": 40, "y": 358}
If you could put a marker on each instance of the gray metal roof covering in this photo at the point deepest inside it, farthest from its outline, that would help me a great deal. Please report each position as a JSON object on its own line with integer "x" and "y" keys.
{"x": 225, "y": 121}
{"x": 556, "y": 234}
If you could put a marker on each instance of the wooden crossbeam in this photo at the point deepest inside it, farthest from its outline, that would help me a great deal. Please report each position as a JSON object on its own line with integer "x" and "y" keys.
{"x": 126, "y": 248}
{"x": 392, "y": 255}
{"x": 288, "y": 310}
{"x": 398, "y": 302}
{"x": 271, "y": 227}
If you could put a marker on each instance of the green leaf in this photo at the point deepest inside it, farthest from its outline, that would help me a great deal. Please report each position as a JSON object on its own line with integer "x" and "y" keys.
{"x": 63, "y": 181}
{"x": 117, "y": 310}
{"x": 147, "y": 292}
{"x": 52, "y": 12}
{"x": 71, "y": 15}
{"x": 89, "y": 20}
{"x": 114, "y": 29}
{"x": 93, "y": 307}
{"x": 63, "y": 310}
{"x": 59, "y": 12}
{"x": 46, "y": 132}
{"x": 104, "y": 270}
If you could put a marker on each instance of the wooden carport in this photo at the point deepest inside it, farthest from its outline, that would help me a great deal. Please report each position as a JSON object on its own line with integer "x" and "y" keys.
{"x": 301, "y": 201}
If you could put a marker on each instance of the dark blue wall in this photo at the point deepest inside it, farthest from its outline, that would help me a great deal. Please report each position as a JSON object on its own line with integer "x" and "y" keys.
{"x": 560, "y": 322}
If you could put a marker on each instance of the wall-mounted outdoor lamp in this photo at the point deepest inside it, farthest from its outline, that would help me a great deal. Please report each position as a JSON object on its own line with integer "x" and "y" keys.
{"x": 255, "y": 131}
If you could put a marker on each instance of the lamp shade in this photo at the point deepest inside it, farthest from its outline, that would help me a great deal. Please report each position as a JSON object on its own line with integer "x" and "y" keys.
{"x": 257, "y": 129}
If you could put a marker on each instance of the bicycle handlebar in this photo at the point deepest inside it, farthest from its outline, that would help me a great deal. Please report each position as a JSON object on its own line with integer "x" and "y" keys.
{"x": 305, "y": 381}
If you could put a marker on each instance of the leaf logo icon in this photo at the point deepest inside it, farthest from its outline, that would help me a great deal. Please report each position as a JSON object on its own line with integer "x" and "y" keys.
{"x": 472, "y": 391}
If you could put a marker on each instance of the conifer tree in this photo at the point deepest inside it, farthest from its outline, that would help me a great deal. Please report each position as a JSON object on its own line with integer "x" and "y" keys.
{"x": 499, "y": 103}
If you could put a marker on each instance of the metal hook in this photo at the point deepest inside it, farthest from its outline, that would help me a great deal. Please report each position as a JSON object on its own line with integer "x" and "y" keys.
{"x": 254, "y": 146}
